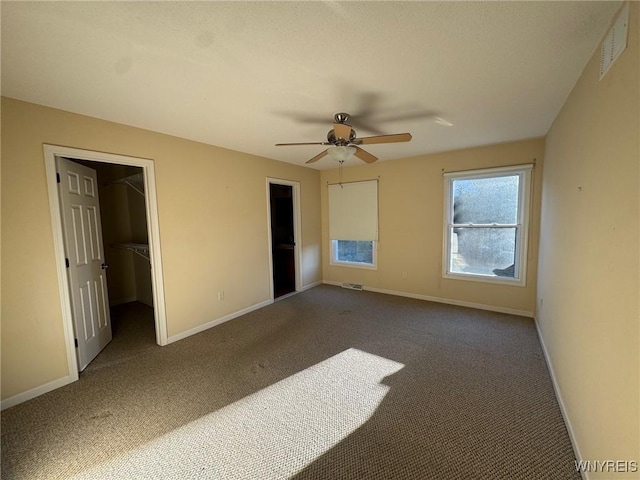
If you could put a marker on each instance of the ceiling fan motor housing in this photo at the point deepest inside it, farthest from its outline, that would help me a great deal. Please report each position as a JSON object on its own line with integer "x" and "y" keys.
{"x": 333, "y": 140}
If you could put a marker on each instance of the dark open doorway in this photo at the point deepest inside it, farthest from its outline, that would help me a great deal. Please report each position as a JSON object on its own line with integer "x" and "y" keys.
{"x": 282, "y": 239}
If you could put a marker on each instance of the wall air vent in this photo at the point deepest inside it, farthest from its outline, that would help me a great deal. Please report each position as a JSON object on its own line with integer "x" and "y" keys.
{"x": 615, "y": 42}
{"x": 353, "y": 286}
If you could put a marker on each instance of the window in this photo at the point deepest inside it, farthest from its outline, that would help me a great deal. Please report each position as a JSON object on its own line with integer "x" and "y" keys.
{"x": 486, "y": 220}
{"x": 353, "y": 223}
{"x": 355, "y": 253}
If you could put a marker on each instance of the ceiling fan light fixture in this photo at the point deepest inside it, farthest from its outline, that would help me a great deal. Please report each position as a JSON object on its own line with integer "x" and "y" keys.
{"x": 341, "y": 153}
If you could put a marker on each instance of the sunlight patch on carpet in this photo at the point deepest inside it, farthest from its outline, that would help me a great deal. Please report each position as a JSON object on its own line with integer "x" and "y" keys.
{"x": 273, "y": 433}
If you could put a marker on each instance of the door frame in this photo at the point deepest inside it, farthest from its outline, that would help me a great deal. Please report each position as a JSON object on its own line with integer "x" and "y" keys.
{"x": 297, "y": 231}
{"x": 155, "y": 257}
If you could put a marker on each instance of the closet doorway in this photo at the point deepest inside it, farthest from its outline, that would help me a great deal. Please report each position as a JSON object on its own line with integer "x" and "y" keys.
{"x": 126, "y": 261}
{"x": 129, "y": 253}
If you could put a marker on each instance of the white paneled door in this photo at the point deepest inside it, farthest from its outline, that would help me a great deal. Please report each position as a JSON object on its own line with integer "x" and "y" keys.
{"x": 86, "y": 266}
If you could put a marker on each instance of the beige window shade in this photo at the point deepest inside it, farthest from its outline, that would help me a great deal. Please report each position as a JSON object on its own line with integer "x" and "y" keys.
{"x": 353, "y": 211}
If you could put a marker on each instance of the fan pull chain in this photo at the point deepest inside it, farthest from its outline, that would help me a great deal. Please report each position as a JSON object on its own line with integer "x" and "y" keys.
{"x": 340, "y": 172}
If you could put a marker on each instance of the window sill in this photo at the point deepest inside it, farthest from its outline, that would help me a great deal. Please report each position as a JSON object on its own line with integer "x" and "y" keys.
{"x": 364, "y": 266}
{"x": 513, "y": 282}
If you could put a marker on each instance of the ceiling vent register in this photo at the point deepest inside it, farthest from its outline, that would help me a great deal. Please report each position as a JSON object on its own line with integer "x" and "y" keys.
{"x": 615, "y": 42}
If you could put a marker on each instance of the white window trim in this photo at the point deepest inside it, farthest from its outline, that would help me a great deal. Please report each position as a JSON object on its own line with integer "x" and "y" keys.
{"x": 340, "y": 263}
{"x": 522, "y": 230}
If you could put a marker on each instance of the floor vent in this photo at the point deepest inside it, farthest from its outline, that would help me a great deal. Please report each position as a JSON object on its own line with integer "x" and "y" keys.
{"x": 353, "y": 286}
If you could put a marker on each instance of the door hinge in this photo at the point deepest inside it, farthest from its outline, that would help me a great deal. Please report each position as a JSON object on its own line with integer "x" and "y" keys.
{"x": 66, "y": 262}
{"x": 57, "y": 177}
{"x": 75, "y": 340}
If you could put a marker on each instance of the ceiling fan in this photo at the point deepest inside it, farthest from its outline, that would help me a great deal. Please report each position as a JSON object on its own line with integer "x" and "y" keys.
{"x": 344, "y": 143}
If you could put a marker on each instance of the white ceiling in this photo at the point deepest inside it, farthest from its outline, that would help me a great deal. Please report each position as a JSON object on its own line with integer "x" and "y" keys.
{"x": 246, "y": 75}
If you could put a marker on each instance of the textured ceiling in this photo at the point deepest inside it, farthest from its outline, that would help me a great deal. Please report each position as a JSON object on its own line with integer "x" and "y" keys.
{"x": 247, "y": 75}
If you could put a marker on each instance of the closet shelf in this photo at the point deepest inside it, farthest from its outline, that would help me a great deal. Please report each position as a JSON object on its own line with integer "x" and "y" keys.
{"x": 135, "y": 181}
{"x": 141, "y": 249}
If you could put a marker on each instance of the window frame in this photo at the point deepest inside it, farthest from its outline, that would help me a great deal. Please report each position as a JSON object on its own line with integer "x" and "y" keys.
{"x": 521, "y": 226}
{"x": 341, "y": 263}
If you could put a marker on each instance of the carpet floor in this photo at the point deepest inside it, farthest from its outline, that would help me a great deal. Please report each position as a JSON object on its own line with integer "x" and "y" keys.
{"x": 326, "y": 384}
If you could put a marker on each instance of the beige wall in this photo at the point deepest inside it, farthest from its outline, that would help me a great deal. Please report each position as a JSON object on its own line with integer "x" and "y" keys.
{"x": 212, "y": 207}
{"x": 411, "y": 207}
{"x": 588, "y": 286}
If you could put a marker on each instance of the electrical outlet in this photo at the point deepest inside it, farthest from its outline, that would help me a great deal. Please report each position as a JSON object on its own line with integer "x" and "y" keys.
{"x": 404, "y": 275}
{"x": 221, "y": 295}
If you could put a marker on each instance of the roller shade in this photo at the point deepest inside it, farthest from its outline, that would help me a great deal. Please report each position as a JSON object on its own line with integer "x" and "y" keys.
{"x": 353, "y": 211}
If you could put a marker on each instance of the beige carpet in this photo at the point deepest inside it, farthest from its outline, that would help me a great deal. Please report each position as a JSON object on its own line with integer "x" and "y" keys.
{"x": 327, "y": 384}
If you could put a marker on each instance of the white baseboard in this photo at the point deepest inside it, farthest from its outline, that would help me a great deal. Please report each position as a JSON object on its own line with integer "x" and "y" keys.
{"x": 448, "y": 301}
{"x": 563, "y": 409}
{"x": 217, "y": 321}
{"x": 311, "y": 285}
{"x": 61, "y": 382}
{"x": 36, "y": 392}
{"x": 231, "y": 316}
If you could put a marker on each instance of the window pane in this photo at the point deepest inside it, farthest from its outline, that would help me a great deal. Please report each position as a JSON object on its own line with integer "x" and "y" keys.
{"x": 483, "y": 251}
{"x": 486, "y": 200}
{"x": 354, "y": 251}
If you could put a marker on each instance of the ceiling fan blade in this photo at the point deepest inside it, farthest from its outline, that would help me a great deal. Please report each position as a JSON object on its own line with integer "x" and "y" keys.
{"x": 342, "y": 130}
{"x": 397, "y": 137}
{"x": 317, "y": 157}
{"x": 365, "y": 156}
{"x": 304, "y": 143}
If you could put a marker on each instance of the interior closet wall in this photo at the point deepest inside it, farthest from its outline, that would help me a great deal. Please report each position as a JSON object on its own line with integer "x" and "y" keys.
{"x": 138, "y": 225}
